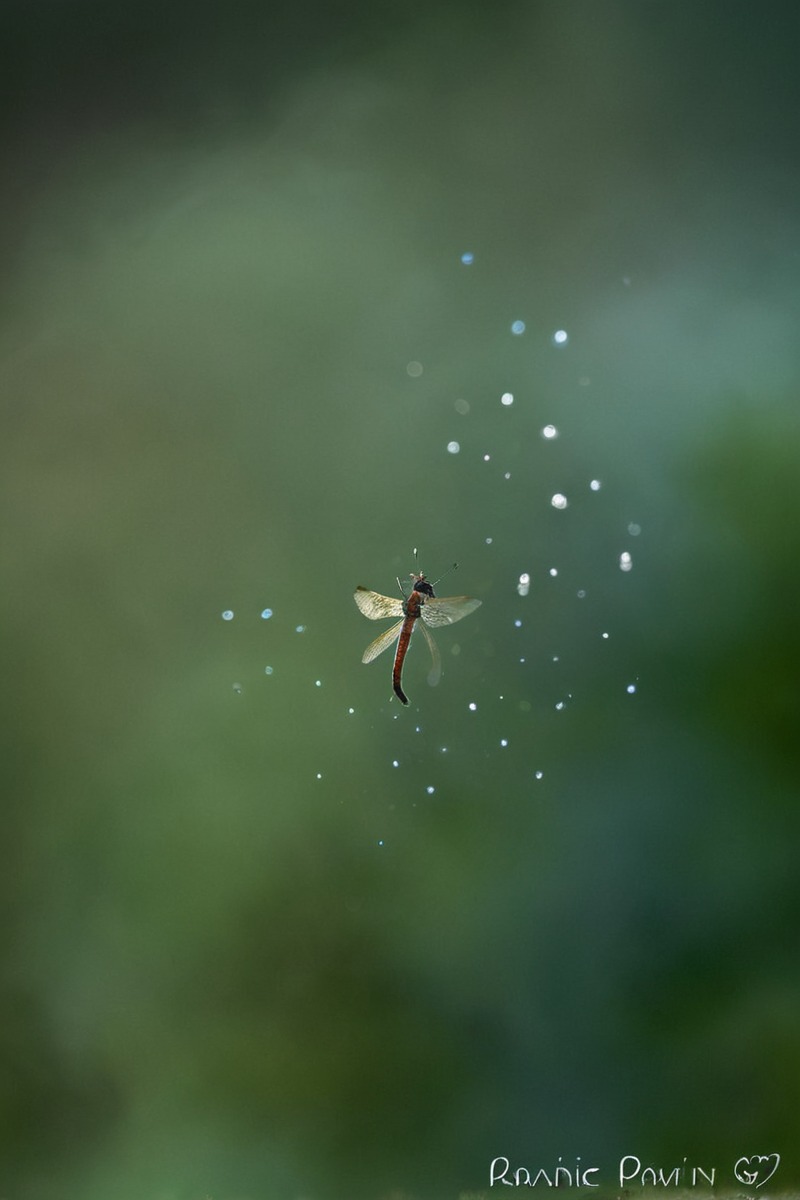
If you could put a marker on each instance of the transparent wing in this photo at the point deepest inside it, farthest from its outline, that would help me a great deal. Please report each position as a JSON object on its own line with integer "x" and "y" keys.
{"x": 386, "y": 639}
{"x": 447, "y": 611}
{"x": 435, "y": 673}
{"x": 375, "y": 606}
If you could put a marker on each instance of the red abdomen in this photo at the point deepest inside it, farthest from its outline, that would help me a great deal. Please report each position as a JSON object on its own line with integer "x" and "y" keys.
{"x": 412, "y": 606}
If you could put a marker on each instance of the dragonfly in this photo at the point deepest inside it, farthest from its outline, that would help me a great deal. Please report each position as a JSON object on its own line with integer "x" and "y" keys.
{"x": 420, "y": 602}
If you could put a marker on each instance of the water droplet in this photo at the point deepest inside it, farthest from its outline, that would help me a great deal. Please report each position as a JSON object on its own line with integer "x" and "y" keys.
{"x": 237, "y": 687}
{"x": 605, "y": 635}
{"x": 395, "y": 762}
{"x": 630, "y": 689}
{"x": 581, "y": 593}
{"x": 503, "y": 742}
{"x": 507, "y": 399}
{"x": 524, "y": 584}
{"x": 487, "y": 457}
{"x": 299, "y": 628}
{"x": 517, "y": 327}
{"x": 461, "y": 406}
{"x": 467, "y": 258}
{"x": 595, "y": 485}
{"x": 266, "y": 614}
{"x": 560, "y": 337}
{"x": 472, "y": 706}
{"x": 488, "y": 541}
{"x": 227, "y": 615}
{"x": 453, "y": 447}
{"x": 430, "y": 789}
{"x": 559, "y": 501}
{"x": 414, "y": 369}
{"x": 350, "y": 711}
{"x": 317, "y": 683}
{"x": 268, "y": 670}
{"x": 625, "y": 561}
{"x": 518, "y": 624}
{"x": 538, "y": 775}
{"x": 553, "y": 571}
{"x": 549, "y": 432}
{"x": 634, "y": 530}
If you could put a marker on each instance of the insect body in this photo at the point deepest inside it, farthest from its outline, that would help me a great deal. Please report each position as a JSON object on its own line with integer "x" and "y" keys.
{"x": 421, "y": 602}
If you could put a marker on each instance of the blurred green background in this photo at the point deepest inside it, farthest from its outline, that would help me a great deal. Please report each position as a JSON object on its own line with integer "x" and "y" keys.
{"x": 264, "y": 934}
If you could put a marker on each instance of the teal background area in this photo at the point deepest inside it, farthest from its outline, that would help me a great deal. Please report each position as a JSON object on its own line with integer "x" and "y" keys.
{"x": 269, "y": 934}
